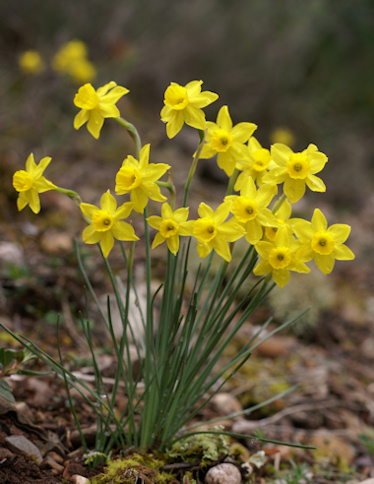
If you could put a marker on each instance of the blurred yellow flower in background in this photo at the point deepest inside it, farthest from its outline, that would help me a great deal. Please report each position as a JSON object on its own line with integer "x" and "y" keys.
{"x": 283, "y": 135}
{"x": 72, "y": 60}
{"x": 31, "y": 62}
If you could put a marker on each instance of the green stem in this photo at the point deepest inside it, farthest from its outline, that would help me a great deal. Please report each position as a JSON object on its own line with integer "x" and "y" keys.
{"x": 133, "y": 132}
{"x": 279, "y": 203}
{"x": 232, "y": 181}
{"x": 70, "y": 193}
{"x": 193, "y": 167}
{"x": 170, "y": 186}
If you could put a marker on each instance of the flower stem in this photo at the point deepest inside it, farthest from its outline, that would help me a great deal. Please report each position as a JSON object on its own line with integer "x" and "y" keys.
{"x": 193, "y": 166}
{"x": 70, "y": 193}
{"x": 279, "y": 203}
{"x": 133, "y": 132}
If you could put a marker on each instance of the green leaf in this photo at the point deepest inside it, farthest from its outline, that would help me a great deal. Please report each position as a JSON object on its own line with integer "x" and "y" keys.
{"x": 5, "y": 391}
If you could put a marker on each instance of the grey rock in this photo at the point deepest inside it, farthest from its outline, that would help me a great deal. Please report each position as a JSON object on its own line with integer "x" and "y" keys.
{"x": 20, "y": 443}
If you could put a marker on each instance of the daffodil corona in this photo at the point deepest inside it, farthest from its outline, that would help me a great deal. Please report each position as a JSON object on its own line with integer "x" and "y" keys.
{"x": 227, "y": 141}
{"x": 255, "y": 165}
{"x": 296, "y": 170}
{"x": 97, "y": 105}
{"x": 213, "y": 232}
{"x": 171, "y": 225}
{"x": 250, "y": 209}
{"x": 183, "y": 104}
{"x": 106, "y": 223}
{"x": 322, "y": 243}
{"x": 30, "y": 182}
{"x": 279, "y": 257}
{"x": 138, "y": 177}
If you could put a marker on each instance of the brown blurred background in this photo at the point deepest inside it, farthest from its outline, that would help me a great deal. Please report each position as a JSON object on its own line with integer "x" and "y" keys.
{"x": 304, "y": 66}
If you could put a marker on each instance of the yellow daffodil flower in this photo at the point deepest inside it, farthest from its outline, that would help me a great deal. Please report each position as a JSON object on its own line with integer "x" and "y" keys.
{"x": 138, "y": 177}
{"x": 255, "y": 166}
{"x": 322, "y": 243}
{"x": 212, "y": 232}
{"x": 184, "y": 105}
{"x": 227, "y": 141}
{"x": 31, "y": 62}
{"x": 106, "y": 222}
{"x": 97, "y": 105}
{"x": 249, "y": 209}
{"x": 279, "y": 257}
{"x": 296, "y": 170}
{"x": 30, "y": 182}
{"x": 170, "y": 226}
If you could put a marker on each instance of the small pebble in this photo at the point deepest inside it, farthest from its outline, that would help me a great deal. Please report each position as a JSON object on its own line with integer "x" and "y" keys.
{"x": 79, "y": 479}
{"x": 223, "y": 474}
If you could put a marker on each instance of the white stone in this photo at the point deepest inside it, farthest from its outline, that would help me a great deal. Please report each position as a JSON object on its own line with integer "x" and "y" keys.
{"x": 223, "y": 474}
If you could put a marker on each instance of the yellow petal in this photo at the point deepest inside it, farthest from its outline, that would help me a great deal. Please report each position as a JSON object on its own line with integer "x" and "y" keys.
{"x": 88, "y": 209}
{"x": 124, "y": 231}
{"x": 223, "y": 119}
{"x": 173, "y": 244}
{"x": 241, "y": 132}
{"x": 90, "y": 235}
{"x": 294, "y": 189}
{"x": 159, "y": 239}
{"x": 281, "y": 277}
{"x": 319, "y": 221}
{"x": 280, "y": 153}
{"x": 194, "y": 117}
{"x": 81, "y": 118}
{"x": 95, "y": 123}
{"x": 154, "y": 221}
{"x": 108, "y": 202}
{"x": 107, "y": 242}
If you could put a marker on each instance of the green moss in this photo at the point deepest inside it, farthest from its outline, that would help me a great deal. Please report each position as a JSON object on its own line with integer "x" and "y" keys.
{"x": 135, "y": 467}
{"x": 204, "y": 448}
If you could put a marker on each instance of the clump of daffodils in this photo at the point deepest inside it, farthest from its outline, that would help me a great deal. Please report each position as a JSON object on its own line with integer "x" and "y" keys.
{"x": 180, "y": 350}
{"x": 263, "y": 186}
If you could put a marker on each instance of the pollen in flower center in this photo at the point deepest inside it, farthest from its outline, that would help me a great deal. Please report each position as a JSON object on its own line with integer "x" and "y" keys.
{"x": 102, "y": 220}
{"x": 204, "y": 229}
{"x": 221, "y": 140}
{"x": 280, "y": 257}
{"x": 86, "y": 97}
{"x": 244, "y": 208}
{"x": 298, "y": 165}
{"x": 22, "y": 181}
{"x": 323, "y": 243}
{"x": 128, "y": 178}
{"x": 168, "y": 228}
{"x": 176, "y": 97}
